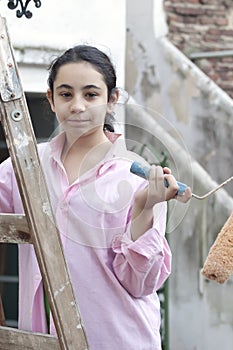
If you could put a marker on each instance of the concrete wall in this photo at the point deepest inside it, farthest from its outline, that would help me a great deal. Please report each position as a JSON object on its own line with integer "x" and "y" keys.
{"x": 159, "y": 77}
{"x": 178, "y": 109}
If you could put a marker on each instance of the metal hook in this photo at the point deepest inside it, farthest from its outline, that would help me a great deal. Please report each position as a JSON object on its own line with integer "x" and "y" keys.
{"x": 214, "y": 190}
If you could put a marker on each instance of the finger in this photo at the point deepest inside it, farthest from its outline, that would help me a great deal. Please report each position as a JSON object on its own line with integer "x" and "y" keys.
{"x": 156, "y": 189}
{"x": 172, "y": 186}
{"x": 153, "y": 172}
{"x": 158, "y": 178}
{"x": 184, "y": 198}
{"x": 166, "y": 170}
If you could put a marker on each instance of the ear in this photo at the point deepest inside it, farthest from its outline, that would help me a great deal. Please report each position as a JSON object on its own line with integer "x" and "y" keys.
{"x": 112, "y": 101}
{"x": 50, "y": 99}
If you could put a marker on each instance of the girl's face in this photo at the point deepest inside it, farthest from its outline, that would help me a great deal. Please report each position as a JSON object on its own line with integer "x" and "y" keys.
{"x": 80, "y": 98}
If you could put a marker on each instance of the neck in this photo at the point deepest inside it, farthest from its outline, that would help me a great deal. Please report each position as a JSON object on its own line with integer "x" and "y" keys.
{"x": 80, "y": 155}
{"x": 85, "y": 142}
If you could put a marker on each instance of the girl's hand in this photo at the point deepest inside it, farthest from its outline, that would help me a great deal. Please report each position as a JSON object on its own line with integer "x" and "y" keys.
{"x": 184, "y": 197}
{"x": 156, "y": 191}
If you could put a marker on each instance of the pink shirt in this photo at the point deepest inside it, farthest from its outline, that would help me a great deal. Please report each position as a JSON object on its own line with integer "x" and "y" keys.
{"x": 114, "y": 279}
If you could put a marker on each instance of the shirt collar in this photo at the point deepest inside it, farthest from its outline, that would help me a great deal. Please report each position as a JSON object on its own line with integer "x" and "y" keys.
{"x": 117, "y": 150}
{"x": 117, "y": 140}
{"x": 56, "y": 146}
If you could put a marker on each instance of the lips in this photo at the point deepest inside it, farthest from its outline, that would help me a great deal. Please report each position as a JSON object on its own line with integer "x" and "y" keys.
{"x": 77, "y": 120}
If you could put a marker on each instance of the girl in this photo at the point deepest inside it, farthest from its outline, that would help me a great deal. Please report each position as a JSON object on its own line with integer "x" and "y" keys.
{"x": 112, "y": 223}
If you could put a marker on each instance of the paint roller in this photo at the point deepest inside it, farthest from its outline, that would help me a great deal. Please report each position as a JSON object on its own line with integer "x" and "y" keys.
{"x": 219, "y": 262}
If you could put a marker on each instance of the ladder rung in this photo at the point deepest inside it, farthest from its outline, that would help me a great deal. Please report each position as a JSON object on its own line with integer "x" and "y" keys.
{"x": 14, "y": 229}
{"x": 13, "y": 339}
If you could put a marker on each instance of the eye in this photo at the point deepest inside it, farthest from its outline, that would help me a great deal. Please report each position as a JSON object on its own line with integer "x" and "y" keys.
{"x": 65, "y": 94}
{"x": 91, "y": 95}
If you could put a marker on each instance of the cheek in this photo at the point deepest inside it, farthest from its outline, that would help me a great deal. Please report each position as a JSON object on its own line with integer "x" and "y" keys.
{"x": 58, "y": 108}
{"x": 59, "y": 114}
{"x": 99, "y": 112}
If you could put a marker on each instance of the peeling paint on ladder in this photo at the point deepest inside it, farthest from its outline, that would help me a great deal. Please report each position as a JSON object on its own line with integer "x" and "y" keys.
{"x": 46, "y": 209}
{"x": 23, "y": 139}
{"x": 61, "y": 289}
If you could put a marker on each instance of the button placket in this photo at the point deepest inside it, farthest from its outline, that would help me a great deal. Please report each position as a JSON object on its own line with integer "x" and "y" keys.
{"x": 62, "y": 213}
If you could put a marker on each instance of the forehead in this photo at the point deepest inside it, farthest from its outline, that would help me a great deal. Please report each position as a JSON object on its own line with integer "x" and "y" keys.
{"x": 79, "y": 72}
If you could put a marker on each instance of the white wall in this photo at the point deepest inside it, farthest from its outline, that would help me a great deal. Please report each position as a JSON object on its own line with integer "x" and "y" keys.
{"x": 57, "y": 25}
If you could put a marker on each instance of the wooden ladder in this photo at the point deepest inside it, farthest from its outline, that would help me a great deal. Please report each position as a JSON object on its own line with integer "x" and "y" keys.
{"x": 38, "y": 225}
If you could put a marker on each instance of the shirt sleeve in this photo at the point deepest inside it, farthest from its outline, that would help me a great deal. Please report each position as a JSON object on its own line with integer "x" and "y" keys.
{"x": 142, "y": 266}
{"x": 6, "y": 187}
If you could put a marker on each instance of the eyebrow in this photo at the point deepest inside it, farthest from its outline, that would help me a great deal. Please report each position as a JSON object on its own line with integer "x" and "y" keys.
{"x": 86, "y": 87}
{"x": 63, "y": 86}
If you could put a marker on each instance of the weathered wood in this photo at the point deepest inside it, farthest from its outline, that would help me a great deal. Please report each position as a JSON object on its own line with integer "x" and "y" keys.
{"x": 45, "y": 236}
{"x": 14, "y": 229}
{"x": 13, "y": 339}
{"x": 2, "y": 315}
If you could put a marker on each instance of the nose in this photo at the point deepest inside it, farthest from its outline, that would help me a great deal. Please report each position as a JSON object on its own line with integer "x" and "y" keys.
{"x": 77, "y": 105}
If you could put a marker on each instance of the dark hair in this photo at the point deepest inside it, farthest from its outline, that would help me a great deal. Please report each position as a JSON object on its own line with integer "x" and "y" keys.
{"x": 98, "y": 59}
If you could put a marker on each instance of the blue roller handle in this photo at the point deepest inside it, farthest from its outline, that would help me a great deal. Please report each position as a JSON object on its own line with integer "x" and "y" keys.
{"x": 143, "y": 171}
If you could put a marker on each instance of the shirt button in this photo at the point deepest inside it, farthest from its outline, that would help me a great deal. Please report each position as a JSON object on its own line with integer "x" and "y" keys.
{"x": 62, "y": 206}
{"x": 37, "y": 277}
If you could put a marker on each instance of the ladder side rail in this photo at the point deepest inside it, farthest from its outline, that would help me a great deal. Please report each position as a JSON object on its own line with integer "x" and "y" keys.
{"x": 2, "y": 314}
{"x": 32, "y": 186}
